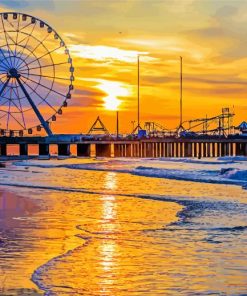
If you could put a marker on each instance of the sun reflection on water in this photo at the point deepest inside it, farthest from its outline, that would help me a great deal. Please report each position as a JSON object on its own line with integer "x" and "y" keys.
{"x": 110, "y": 180}
{"x": 107, "y": 246}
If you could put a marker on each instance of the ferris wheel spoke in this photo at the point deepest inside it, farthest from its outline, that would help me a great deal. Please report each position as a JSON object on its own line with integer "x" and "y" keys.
{"x": 43, "y": 100}
{"x": 3, "y": 80}
{"x": 14, "y": 89}
{"x": 5, "y": 114}
{"x": 40, "y": 42}
{"x": 4, "y": 86}
{"x": 5, "y": 93}
{"x": 6, "y": 40}
{"x": 5, "y": 57}
{"x": 4, "y": 102}
{"x": 9, "y": 66}
{"x": 4, "y": 96}
{"x": 20, "y": 41}
{"x": 23, "y": 46}
{"x": 4, "y": 67}
{"x": 46, "y": 76}
{"x": 51, "y": 65}
{"x": 14, "y": 43}
{"x": 27, "y": 40}
{"x": 44, "y": 86}
{"x": 7, "y": 36}
{"x": 49, "y": 52}
{"x": 9, "y": 62}
{"x": 8, "y": 114}
{"x": 12, "y": 116}
{"x": 24, "y": 27}
{"x": 17, "y": 35}
{"x": 3, "y": 64}
{"x": 11, "y": 24}
{"x": 9, "y": 109}
{"x": 3, "y": 75}
{"x": 13, "y": 103}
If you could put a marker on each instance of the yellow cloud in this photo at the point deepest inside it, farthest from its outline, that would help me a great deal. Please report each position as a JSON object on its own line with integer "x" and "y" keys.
{"x": 103, "y": 53}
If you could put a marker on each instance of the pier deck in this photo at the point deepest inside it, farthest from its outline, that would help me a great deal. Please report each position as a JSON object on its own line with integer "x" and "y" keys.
{"x": 152, "y": 147}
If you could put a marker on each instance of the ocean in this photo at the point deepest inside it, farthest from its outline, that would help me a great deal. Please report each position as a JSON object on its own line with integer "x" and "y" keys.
{"x": 123, "y": 227}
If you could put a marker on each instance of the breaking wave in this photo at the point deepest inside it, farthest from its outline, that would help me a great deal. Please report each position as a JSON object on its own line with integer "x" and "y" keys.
{"x": 225, "y": 170}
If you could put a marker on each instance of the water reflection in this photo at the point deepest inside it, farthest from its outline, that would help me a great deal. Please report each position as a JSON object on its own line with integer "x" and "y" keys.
{"x": 110, "y": 180}
{"x": 108, "y": 247}
{"x": 83, "y": 244}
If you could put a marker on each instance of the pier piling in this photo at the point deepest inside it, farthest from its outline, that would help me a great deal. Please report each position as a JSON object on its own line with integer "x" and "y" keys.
{"x": 23, "y": 149}
{"x": 63, "y": 149}
{"x": 3, "y": 150}
{"x": 83, "y": 150}
{"x": 103, "y": 150}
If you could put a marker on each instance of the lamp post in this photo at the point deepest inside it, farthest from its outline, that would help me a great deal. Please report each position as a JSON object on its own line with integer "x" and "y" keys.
{"x": 138, "y": 91}
{"x": 117, "y": 124}
{"x": 138, "y": 127}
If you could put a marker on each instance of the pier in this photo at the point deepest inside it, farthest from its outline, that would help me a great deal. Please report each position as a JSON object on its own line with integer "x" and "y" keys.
{"x": 144, "y": 148}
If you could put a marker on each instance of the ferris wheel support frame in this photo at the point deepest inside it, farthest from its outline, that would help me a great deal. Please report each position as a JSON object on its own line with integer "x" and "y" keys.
{"x": 35, "y": 109}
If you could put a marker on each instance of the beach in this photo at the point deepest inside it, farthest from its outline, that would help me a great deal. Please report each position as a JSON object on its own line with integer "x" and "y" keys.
{"x": 123, "y": 227}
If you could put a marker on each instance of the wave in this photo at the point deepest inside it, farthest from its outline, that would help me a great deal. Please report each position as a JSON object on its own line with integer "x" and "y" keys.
{"x": 224, "y": 176}
{"x": 234, "y": 174}
{"x": 214, "y": 161}
{"x": 232, "y": 158}
{"x": 99, "y": 166}
{"x": 158, "y": 169}
{"x": 231, "y": 229}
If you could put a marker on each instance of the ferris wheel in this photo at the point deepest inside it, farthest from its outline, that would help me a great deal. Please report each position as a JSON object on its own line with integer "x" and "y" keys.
{"x": 36, "y": 74}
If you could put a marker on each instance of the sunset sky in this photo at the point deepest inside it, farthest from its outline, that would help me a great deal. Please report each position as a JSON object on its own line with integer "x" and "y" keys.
{"x": 104, "y": 38}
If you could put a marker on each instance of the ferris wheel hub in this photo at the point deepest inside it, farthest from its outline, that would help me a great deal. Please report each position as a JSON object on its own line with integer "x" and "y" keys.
{"x": 13, "y": 73}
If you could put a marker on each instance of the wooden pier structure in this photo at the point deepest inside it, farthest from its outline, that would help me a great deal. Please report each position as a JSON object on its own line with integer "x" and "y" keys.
{"x": 145, "y": 148}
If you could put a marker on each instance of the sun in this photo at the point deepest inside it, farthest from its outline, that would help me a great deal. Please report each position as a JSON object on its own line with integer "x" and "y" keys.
{"x": 115, "y": 90}
{"x": 111, "y": 103}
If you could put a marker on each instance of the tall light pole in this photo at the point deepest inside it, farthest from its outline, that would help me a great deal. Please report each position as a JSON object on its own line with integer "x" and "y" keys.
{"x": 138, "y": 92}
{"x": 180, "y": 127}
{"x": 117, "y": 123}
{"x": 138, "y": 127}
{"x": 181, "y": 92}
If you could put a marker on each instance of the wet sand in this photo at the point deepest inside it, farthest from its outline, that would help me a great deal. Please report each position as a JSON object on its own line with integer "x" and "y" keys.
{"x": 59, "y": 227}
